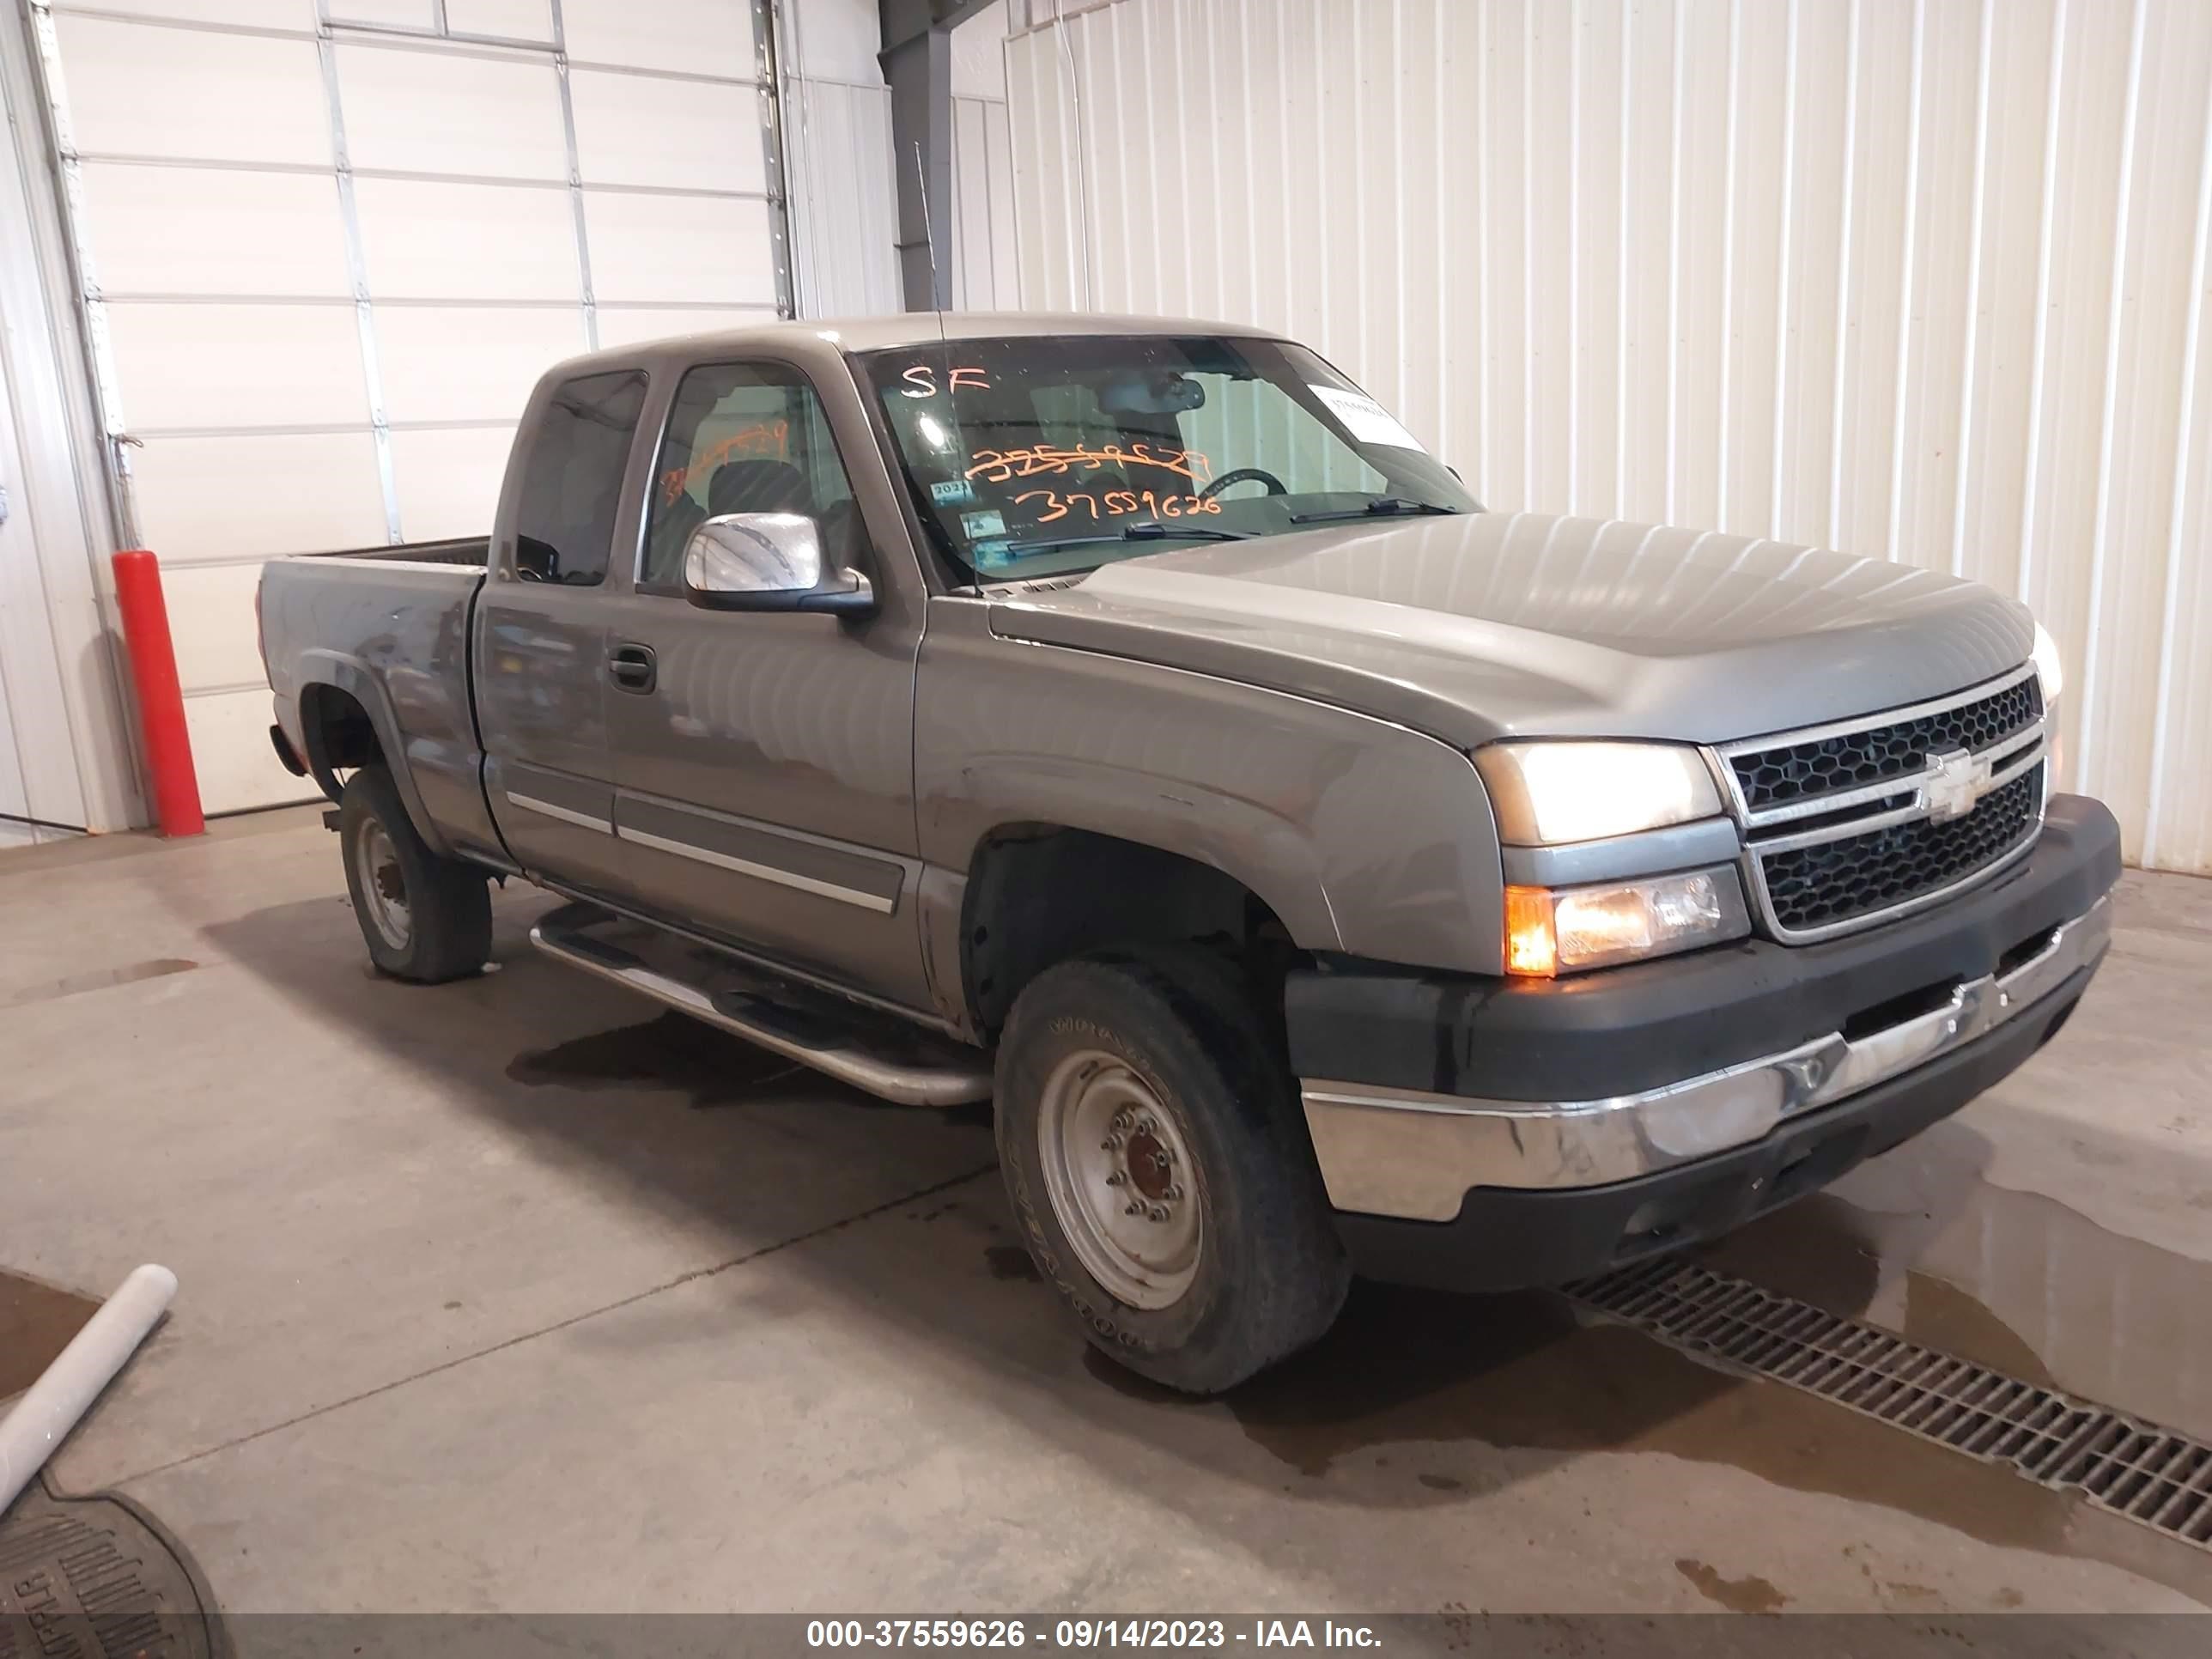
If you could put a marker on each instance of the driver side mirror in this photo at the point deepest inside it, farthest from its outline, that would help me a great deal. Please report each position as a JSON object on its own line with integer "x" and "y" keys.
{"x": 769, "y": 562}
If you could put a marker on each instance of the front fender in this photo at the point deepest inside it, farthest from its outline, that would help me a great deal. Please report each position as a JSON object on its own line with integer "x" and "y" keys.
{"x": 1240, "y": 837}
{"x": 1362, "y": 835}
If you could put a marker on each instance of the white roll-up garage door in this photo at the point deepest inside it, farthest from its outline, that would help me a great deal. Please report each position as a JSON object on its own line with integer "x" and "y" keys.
{"x": 326, "y": 249}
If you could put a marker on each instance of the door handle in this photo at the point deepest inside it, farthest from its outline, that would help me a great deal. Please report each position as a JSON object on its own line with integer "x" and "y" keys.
{"x": 632, "y": 667}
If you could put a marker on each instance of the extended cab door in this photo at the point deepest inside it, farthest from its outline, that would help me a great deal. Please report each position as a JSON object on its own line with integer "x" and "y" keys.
{"x": 541, "y": 656}
{"x": 764, "y": 760}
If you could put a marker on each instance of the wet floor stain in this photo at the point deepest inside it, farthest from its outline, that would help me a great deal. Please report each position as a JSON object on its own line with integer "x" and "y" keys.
{"x": 673, "y": 1052}
{"x": 37, "y": 1321}
{"x": 1902, "y": 1595}
{"x": 99, "y": 980}
{"x": 1748, "y": 1594}
{"x": 2014, "y": 1280}
{"x": 1010, "y": 1261}
{"x": 1522, "y": 1373}
{"x": 1942, "y": 1316}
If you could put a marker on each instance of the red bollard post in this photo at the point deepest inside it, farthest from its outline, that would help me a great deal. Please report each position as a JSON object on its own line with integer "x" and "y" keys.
{"x": 161, "y": 700}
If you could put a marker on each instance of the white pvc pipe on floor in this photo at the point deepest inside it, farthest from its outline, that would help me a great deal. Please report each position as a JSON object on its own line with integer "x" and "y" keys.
{"x": 44, "y": 1415}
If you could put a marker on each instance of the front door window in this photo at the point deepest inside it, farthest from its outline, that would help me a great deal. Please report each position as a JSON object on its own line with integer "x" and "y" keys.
{"x": 744, "y": 437}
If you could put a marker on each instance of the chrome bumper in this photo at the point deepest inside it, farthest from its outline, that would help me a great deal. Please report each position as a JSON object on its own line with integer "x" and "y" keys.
{"x": 1401, "y": 1152}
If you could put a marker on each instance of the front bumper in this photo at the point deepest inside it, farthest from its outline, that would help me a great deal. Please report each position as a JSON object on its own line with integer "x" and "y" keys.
{"x": 1622, "y": 1097}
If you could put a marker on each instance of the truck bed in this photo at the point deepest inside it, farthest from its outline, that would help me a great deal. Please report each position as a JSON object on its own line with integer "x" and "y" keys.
{"x": 461, "y": 550}
{"x": 388, "y": 627}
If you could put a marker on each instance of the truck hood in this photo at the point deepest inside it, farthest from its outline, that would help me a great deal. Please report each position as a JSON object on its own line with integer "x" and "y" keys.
{"x": 1494, "y": 624}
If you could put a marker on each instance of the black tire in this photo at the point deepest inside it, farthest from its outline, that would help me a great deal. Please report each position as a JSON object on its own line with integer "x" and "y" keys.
{"x": 446, "y": 932}
{"x": 1270, "y": 1275}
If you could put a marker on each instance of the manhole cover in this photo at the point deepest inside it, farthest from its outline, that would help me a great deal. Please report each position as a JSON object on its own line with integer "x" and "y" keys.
{"x": 93, "y": 1578}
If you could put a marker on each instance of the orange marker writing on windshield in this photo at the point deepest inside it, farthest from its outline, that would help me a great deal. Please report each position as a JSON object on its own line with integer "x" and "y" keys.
{"x": 922, "y": 380}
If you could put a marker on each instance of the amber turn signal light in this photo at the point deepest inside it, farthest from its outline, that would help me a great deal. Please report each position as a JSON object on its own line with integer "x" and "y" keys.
{"x": 1531, "y": 945}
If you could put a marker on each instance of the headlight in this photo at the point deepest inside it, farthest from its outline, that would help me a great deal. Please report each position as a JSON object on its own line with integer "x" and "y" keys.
{"x": 1547, "y": 792}
{"x": 1562, "y": 929}
{"x": 2049, "y": 672}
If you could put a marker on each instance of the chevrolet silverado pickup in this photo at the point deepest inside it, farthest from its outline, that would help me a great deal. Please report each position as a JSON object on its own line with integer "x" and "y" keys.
{"x": 1129, "y": 723}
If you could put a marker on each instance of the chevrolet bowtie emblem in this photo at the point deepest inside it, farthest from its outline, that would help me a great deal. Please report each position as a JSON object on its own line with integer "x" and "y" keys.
{"x": 1952, "y": 783}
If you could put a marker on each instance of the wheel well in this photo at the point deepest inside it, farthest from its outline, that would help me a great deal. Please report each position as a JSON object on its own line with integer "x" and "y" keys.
{"x": 340, "y": 733}
{"x": 1040, "y": 893}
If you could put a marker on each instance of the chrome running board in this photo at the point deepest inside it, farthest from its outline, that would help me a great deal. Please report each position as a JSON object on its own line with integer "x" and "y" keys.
{"x": 873, "y": 1052}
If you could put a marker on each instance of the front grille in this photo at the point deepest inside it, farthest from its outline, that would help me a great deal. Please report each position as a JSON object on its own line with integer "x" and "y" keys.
{"x": 1844, "y": 826}
{"x": 1840, "y": 881}
{"x": 1808, "y": 768}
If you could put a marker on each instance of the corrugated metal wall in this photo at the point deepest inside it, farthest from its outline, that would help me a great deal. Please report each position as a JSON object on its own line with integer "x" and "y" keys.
{"x": 985, "y": 274}
{"x": 843, "y": 169}
{"x": 844, "y": 218}
{"x": 845, "y": 262}
{"x": 1920, "y": 279}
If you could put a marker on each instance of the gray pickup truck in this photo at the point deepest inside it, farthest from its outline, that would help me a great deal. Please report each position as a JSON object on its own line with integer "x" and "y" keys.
{"x": 1130, "y": 723}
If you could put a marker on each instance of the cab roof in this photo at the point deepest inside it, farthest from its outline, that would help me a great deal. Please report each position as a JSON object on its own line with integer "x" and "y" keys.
{"x": 912, "y": 328}
{"x": 903, "y": 329}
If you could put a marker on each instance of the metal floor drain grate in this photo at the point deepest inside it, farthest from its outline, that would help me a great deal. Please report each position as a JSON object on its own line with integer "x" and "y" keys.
{"x": 2123, "y": 1464}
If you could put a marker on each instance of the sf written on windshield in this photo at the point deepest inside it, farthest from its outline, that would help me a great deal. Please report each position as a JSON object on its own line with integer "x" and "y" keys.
{"x": 1044, "y": 455}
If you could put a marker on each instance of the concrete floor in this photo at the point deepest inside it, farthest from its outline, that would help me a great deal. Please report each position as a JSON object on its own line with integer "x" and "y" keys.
{"x": 514, "y": 1294}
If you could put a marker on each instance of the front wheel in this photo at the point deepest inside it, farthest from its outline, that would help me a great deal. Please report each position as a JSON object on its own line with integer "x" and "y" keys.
{"x": 1150, "y": 1139}
{"x": 423, "y": 917}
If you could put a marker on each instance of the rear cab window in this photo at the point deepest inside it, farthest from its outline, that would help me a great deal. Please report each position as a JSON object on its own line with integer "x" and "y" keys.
{"x": 572, "y": 482}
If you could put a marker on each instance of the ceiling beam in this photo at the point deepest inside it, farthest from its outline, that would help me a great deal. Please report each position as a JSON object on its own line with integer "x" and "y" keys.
{"x": 917, "y": 64}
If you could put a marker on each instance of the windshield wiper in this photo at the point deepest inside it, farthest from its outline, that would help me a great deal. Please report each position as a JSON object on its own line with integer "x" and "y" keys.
{"x": 1382, "y": 507}
{"x": 1150, "y": 531}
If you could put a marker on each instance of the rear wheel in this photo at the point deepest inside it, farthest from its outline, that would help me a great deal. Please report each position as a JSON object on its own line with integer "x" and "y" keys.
{"x": 423, "y": 917}
{"x": 1149, "y": 1135}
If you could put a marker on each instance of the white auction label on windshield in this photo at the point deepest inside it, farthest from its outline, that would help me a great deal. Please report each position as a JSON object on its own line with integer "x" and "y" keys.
{"x": 1365, "y": 419}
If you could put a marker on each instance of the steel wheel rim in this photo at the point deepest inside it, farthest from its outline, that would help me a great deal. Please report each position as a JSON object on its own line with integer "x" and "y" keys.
{"x": 383, "y": 883}
{"x": 1121, "y": 1180}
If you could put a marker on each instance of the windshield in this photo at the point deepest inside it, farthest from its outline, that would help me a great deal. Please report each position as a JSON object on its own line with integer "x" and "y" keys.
{"x": 1042, "y": 456}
